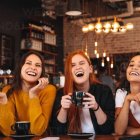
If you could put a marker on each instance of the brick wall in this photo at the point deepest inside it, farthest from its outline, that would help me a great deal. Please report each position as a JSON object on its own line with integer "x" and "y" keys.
{"x": 112, "y": 43}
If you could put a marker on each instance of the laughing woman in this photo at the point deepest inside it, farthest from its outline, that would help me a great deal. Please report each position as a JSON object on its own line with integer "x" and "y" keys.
{"x": 128, "y": 101}
{"x": 29, "y": 98}
{"x": 97, "y": 115}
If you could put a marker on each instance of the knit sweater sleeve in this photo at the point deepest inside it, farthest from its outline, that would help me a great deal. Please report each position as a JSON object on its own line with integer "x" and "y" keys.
{"x": 7, "y": 117}
{"x": 40, "y": 110}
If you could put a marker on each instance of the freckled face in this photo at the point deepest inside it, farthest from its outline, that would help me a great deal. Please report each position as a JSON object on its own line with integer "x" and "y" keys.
{"x": 133, "y": 70}
{"x": 31, "y": 69}
{"x": 80, "y": 69}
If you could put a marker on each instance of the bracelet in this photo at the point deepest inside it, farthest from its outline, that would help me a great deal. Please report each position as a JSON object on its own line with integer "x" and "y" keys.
{"x": 96, "y": 108}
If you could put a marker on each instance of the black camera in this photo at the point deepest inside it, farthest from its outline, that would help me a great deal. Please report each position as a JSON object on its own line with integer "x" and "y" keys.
{"x": 77, "y": 98}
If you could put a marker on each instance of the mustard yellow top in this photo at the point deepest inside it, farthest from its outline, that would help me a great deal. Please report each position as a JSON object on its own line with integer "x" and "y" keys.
{"x": 21, "y": 108}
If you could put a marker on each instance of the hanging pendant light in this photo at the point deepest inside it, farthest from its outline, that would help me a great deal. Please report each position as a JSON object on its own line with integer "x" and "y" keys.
{"x": 73, "y": 8}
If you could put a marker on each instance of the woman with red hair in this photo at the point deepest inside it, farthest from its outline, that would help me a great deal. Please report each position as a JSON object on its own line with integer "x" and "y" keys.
{"x": 97, "y": 112}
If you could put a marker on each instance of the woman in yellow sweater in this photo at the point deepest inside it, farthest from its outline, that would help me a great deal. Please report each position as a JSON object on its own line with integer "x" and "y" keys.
{"x": 29, "y": 98}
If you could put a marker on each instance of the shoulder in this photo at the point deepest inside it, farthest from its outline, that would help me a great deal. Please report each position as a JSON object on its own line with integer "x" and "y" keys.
{"x": 121, "y": 93}
{"x": 100, "y": 87}
{"x": 120, "y": 97}
{"x": 101, "y": 91}
{"x": 50, "y": 87}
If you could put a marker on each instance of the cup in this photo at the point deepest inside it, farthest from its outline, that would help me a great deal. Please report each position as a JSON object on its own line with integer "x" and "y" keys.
{"x": 77, "y": 98}
{"x": 21, "y": 127}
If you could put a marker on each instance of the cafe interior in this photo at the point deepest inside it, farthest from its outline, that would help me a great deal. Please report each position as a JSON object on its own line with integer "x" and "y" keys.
{"x": 107, "y": 30}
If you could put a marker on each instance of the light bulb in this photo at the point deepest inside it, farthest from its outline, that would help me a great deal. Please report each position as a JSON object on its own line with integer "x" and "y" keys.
{"x": 91, "y": 27}
{"x": 85, "y": 29}
{"x": 96, "y": 43}
{"x": 108, "y": 59}
{"x": 104, "y": 54}
{"x": 98, "y": 25}
{"x": 106, "y": 30}
{"x": 111, "y": 65}
{"x": 114, "y": 30}
{"x": 95, "y": 51}
{"x": 115, "y": 25}
{"x": 107, "y": 25}
{"x": 102, "y": 64}
{"x": 97, "y": 55}
{"x": 98, "y": 30}
{"x": 129, "y": 26}
{"x": 122, "y": 29}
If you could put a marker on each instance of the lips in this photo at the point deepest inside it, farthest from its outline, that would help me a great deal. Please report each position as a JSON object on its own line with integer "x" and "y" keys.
{"x": 31, "y": 73}
{"x": 79, "y": 73}
{"x": 134, "y": 73}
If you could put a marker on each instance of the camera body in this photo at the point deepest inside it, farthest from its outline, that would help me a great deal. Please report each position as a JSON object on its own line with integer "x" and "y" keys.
{"x": 77, "y": 98}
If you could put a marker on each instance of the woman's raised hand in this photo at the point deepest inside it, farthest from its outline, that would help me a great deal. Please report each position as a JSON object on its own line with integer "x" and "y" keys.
{"x": 42, "y": 83}
{"x": 3, "y": 98}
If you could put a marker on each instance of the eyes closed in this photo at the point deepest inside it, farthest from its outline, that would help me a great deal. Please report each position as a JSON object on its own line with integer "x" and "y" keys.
{"x": 80, "y": 63}
{"x": 30, "y": 63}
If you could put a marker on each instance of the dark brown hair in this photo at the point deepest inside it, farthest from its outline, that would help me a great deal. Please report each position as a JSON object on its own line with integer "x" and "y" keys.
{"x": 17, "y": 81}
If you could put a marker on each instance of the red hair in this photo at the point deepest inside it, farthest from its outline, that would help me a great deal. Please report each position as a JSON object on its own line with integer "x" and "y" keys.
{"x": 73, "y": 113}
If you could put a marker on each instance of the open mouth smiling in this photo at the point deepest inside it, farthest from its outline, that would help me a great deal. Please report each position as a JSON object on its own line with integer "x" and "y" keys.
{"x": 30, "y": 73}
{"x": 79, "y": 73}
{"x": 134, "y": 73}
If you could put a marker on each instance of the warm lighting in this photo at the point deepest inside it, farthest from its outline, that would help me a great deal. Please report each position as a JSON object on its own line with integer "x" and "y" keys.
{"x": 103, "y": 63}
{"x": 91, "y": 27}
{"x": 115, "y": 27}
{"x": 97, "y": 55}
{"x": 107, "y": 58}
{"x": 95, "y": 51}
{"x": 98, "y": 26}
{"x": 115, "y": 24}
{"x": 111, "y": 65}
{"x": 114, "y": 30}
{"x": 104, "y": 54}
{"x": 85, "y": 29}
{"x": 96, "y": 43}
{"x": 129, "y": 26}
{"x": 107, "y": 25}
{"x": 106, "y": 30}
{"x": 98, "y": 30}
{"x": 122, "y": 29}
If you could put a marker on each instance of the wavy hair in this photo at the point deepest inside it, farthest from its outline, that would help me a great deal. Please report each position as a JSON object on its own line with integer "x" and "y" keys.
{"x": 17, "y": 81}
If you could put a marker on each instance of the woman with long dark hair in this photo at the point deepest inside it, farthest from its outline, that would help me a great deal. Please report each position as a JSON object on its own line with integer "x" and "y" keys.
{"x": 97, "y": 114}
{"x": 127, "y": 101}
{"x": 29, "y": 98}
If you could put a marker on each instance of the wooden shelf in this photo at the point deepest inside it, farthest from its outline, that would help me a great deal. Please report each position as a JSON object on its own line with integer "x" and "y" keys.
{"x": 6, "y": 76}
{"x": 47, "y": 48}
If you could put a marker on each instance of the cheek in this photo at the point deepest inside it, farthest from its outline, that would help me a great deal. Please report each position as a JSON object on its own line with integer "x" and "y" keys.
{"x": 22, "y": 71}
{"x": 39, "y": 72}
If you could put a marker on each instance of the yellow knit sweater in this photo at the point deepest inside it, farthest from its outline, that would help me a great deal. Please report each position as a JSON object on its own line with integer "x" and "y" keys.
{"x": 21, "y": 108}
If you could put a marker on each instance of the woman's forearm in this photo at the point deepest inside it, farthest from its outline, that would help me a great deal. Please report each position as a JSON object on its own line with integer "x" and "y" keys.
{"x": 121, "y": 122}
{"x": 62, "y": 115}
{"x": 100, "y": 116}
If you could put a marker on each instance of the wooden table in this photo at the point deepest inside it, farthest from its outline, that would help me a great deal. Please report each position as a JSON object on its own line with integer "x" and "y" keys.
{"x": 97, "y": 137}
